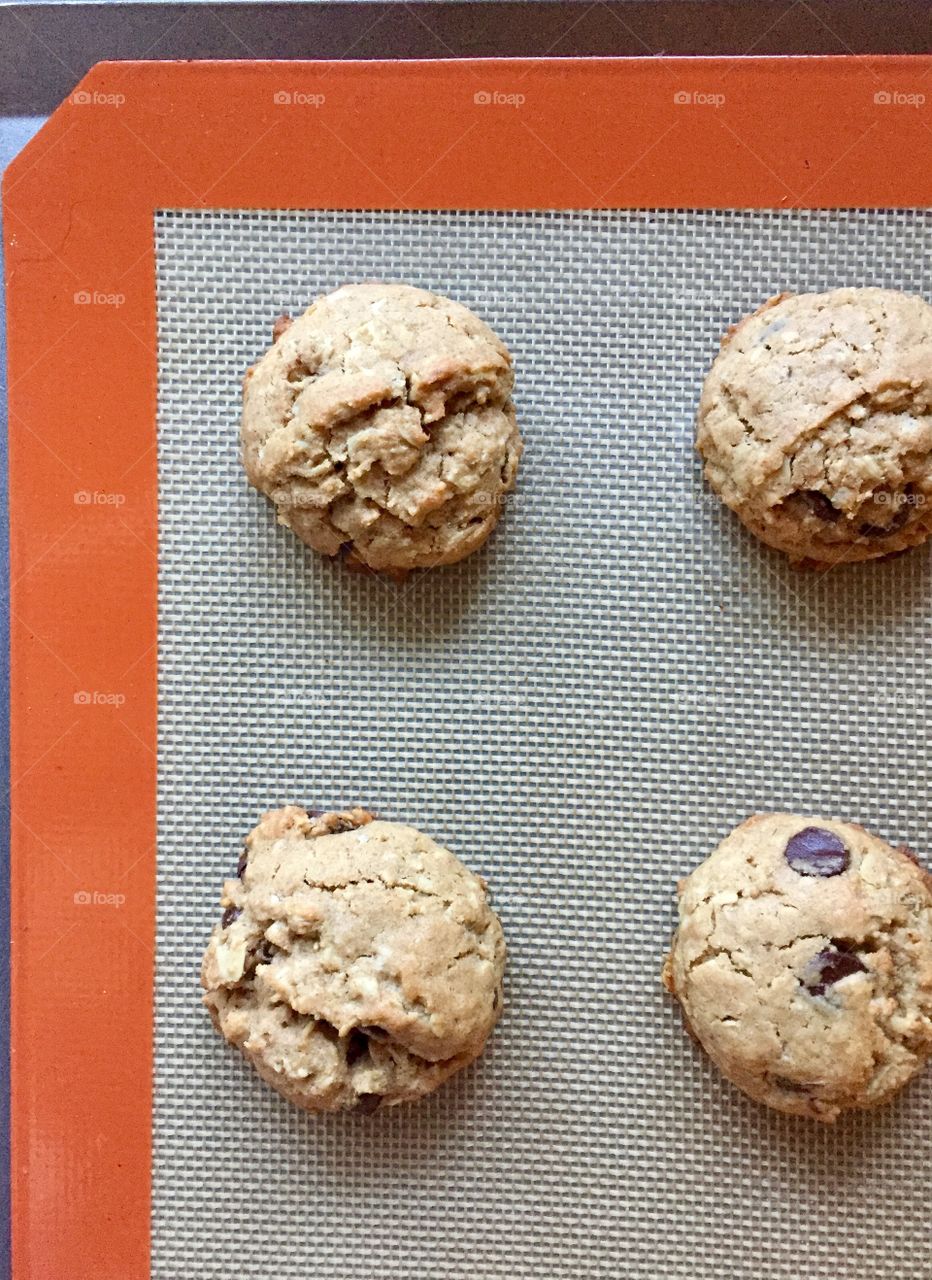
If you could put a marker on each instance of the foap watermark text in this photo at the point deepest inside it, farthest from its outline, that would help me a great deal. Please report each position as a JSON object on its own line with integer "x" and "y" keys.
{"x": 94, "y": 898}
{"x": 497, "y": 98}
{"x": 98, "y": 698}
{"x": 297, "y": 98}
{"x": 897, "y": 98}
{"x": 98, "y": 498}
{"x": 698, "y": 98}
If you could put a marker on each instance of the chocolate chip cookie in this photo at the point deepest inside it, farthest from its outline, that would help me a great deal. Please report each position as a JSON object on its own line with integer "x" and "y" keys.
{"x": 815, "y": 424}
{"x": 803, "y": 963}
{"x": 356, "y": 962}
{"x": 381, "y": 424}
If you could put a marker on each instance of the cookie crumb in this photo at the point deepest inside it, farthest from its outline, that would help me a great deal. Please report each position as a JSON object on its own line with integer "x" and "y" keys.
{"x": 281, "y": 326}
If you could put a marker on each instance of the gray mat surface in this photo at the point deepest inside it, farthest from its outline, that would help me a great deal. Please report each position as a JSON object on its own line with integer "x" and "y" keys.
{"x": 581, "y": 711}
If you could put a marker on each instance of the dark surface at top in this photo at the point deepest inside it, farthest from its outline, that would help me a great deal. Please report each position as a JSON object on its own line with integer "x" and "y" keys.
{"x": 46, "y": 48}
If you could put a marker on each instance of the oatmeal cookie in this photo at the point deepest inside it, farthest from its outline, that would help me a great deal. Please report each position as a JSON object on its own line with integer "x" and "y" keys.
{"x": 380, "y": 424}
{"x": 803, "y": 963}
{"x": 356, "y": 962}
{"x": 815, "y": 424}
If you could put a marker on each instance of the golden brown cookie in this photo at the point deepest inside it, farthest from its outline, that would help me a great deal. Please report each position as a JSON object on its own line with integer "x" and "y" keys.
{"x": 815, "y": 424}
{"x": 381, "y": 424}
{"x": 803, "y": 963}
{"x": 356, "y": 963}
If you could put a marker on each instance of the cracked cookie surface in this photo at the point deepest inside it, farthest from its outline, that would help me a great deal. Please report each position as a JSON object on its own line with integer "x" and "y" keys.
{"x": 380, "y": 423}
{"x": 356, "y": 963}
{"x": 803, "y": 963}
{"x": 815, "y": 424}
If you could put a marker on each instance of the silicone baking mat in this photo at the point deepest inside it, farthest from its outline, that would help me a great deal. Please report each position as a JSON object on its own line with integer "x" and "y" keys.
{"x": 581, "y": 711}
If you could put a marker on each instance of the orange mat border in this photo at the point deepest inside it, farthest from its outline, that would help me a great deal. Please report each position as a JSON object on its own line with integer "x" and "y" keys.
{"x": 78, "y": 209}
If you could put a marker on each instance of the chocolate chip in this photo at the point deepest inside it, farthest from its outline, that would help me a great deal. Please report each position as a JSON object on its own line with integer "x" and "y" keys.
{"x": 231, "y": 914}
{"x": 264, "y": 953}
{"x": 357, "y": 1046}
{"x": 818, "y": 504}
{"x": 368, "y": 1102}
{"x": 831, "y": 965}
{"x": 816, "y": 852}
{"x": 242, "y": 864}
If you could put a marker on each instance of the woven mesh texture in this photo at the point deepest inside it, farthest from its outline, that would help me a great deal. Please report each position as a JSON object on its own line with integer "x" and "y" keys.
{"x": 581, "y": 711}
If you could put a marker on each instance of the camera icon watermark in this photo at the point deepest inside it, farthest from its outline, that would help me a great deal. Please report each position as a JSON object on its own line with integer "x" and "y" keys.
{"x": 297, "y": 98}
{"x": 698, "y": 98}
{"x": 496, "y": 98}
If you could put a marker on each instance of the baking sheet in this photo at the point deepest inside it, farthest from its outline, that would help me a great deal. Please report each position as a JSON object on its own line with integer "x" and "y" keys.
{"x": 581, "y": 711}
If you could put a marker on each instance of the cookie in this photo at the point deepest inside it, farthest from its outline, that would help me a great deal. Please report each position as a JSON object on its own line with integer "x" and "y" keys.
{"x": 803, "y": 963}
{"x": 356, "y": 962}
{"x": 815, "y": 424}
{"x": 380, "y": 424}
